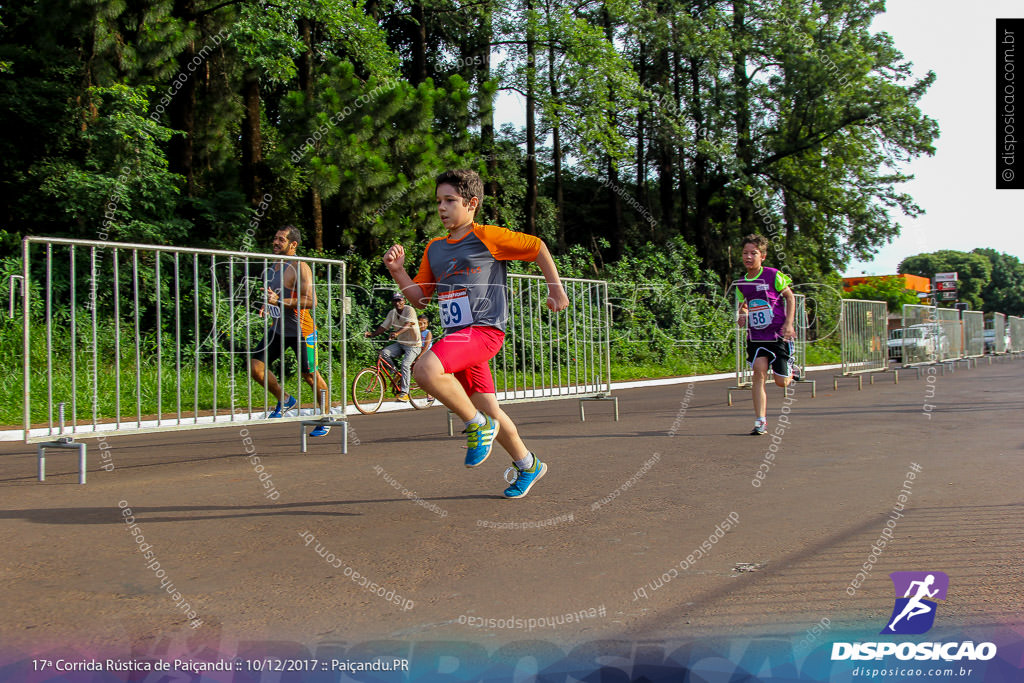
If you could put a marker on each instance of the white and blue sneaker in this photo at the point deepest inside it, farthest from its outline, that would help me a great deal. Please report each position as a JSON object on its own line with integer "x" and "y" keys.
{"x": 524, "y": 479}
{"x": 280, "y": 410}
{"x": 479, "y": 440}
{"x": 320, "y": 430}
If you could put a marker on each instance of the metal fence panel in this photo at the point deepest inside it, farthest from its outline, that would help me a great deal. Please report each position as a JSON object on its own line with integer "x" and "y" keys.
{"x": 141, "y": 338}
{"x": 863, "y": 337}
{"x": 1016, "y": 333}
{"x": 919, "y": 342}
{"x": 932, "y": 334}
{"x": 973, "y": 334}
{"x": 744, "y": 373}
{"x": 547, "y": 355}
{"x": 999, "y": 332}
{"x": 800, "y": 322}
{"x": 951, "y": 333}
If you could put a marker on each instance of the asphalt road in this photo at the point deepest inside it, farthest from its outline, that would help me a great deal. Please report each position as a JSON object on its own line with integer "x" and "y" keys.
{"x": 612, "y": 535}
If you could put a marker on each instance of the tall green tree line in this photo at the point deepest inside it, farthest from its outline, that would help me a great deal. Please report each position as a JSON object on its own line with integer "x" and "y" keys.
{"x": 173, "y": 120}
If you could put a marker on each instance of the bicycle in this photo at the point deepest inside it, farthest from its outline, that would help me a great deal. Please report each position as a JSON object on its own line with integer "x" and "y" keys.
{"x": 369, "y": 383}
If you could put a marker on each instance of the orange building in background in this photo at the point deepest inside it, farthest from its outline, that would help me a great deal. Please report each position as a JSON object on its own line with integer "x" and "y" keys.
{"x": 912, "y": 282}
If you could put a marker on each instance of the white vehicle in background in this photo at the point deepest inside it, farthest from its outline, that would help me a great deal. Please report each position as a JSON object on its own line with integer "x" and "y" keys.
{"x": 895, "y": 344}
{"x": 921, "y": 343}
{"x": 990, "y": 340}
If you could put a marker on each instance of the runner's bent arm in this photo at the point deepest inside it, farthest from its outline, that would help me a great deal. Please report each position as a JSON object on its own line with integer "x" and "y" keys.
{"x": 303, "y": 288}
{"x": 394, "y": 260}
{"x": 557, "y": 299}
{"x": 788, "y": 331}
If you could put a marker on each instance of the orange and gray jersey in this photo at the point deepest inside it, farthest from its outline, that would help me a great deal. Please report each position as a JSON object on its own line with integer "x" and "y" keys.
{"x": 470, "y": 274}
{"x": 297, "y": 323}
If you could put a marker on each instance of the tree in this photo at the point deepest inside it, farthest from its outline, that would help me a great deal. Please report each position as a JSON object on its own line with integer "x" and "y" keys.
{"x": 782, "y": 114}
{"x": 583, "y": 87}
{"x": 1004, "y": 293}
{"x": 974, "y": 271}
{"x": 888, "y": 289}
{"x": 372, "y": 149}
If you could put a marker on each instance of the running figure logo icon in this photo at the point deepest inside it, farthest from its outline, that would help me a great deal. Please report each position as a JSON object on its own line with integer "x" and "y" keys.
{"x": 914, "y": 612}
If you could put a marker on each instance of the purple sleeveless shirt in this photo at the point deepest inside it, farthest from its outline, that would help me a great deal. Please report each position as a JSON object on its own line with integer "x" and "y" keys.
{"x": 766, "y": 307}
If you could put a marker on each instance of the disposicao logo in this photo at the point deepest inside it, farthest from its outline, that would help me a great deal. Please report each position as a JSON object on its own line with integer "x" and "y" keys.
{"x": 914, "y": 612}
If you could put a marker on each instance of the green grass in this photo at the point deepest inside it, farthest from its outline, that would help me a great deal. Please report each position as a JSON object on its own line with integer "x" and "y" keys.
{"x": 630, "y": 361}
{"x": 823, "y": 353}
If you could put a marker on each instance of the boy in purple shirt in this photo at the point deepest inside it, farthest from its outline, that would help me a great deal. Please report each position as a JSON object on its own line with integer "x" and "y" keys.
{"x": 767, "y": 308}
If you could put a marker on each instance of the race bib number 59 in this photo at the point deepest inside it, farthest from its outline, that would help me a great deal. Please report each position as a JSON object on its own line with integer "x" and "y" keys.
{"x": 454, "y": 306}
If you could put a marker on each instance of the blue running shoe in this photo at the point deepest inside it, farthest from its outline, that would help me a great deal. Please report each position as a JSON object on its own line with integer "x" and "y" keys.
{"x": 320, "y": 430}
{"x": 281, "y": 410}
{"x": 479, "y": 439}
{"x": 525, "y": 479}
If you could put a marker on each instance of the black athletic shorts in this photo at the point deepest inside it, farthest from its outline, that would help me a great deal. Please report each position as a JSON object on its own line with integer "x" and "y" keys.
{"x": 305, "y": 350}
{"x": 779, "y": 354}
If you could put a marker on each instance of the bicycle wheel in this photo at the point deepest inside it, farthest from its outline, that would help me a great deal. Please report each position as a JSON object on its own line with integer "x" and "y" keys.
{"x": 418, "y": 397}
{"x": 367, "y": 391}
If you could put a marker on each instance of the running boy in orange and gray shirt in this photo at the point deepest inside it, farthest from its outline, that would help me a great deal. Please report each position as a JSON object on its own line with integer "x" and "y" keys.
{"x": 467, "y": 269}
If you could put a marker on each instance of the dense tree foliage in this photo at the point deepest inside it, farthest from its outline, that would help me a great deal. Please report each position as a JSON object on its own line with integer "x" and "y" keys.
{"x": 974, "y": 271}
{"x": 989, "y": 280}
{"x": 887, "y": 289}
{"x": 173, "y": 121}
{"x": 1004, "y": 292}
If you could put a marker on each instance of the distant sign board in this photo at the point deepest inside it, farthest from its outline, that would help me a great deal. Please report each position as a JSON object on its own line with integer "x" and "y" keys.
{"x": 945, "y": 277}
{"x": 949, "y": 296}
{"x": 946, "y": 285}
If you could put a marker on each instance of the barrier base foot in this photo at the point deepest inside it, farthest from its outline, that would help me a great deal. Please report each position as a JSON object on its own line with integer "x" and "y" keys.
{"x": 916, "y": 369}
{"x": 860, "y": 381}
{"x": 745, "y": 387}
{"x": 325, "y": 422}
{"x": 600, "y": 397}
{"x": 65, "y": 443}
{"x": 812, "y": 382}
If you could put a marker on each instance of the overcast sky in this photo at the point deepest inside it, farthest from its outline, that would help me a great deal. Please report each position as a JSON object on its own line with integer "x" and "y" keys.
{"x": 956, "y": 187}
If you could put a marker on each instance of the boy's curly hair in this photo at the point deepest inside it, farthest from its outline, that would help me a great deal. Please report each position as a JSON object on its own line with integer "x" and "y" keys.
{"x": 466, "y": 182}
{"x": 758, "y": 240}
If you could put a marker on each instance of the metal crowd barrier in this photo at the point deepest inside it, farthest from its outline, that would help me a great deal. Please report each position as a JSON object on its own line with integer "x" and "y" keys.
{"x": 999, "y": 333}
{"x": 863, "y": 340}
{"x": 1016, "y": 333}
{"x": 744, "y": 374}
{"x": 951, "y": 335}
{"x": 124, "y": 338}
{"x": 920, "y": 335}
{"x": 550, "y": 355}
{"x": 973, "y": 334}
{"x": 800, "y": 345}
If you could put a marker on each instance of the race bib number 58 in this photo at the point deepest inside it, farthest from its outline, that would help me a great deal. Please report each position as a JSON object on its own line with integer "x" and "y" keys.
{"x": 454, "y": 307}
{"x": 759, "y": 314}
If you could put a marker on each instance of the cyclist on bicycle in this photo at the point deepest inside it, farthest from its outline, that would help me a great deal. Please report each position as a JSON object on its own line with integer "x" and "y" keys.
{"x": 403, "y": 328}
